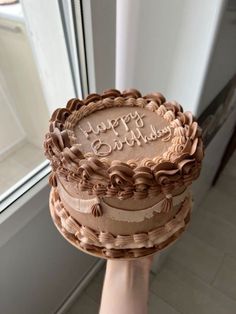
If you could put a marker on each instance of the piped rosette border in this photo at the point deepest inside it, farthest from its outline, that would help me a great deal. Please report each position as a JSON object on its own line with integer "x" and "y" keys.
{"x": 177, "y": 167}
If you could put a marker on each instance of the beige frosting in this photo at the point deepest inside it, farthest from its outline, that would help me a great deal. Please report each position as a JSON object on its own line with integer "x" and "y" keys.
{"x": 85, "y": 206}
{"x": 90, "y": 239}
{"x": 104, "y": 223}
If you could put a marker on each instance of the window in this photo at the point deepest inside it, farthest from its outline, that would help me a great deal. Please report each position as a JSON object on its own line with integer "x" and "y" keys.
{"x": 24, "y": 112}
{"x": 35, "y": 78}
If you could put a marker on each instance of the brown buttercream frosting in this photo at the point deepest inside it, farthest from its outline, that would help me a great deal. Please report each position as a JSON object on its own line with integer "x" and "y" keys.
{"x": 124, "y": 145}
{"x": 108, "y": 150}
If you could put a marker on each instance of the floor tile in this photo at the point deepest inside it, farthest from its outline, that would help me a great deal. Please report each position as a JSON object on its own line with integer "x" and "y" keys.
{"x": 151, "y": 277}
{"x": 158, "y": 306}
{"x": 214, "y": 231}
{"x": 225, "y": 280}
{"x": 226, "y": 184}
{"x": 197, "y": 256}
{"x": 230, "y": 168}
{"x": 94, "y": 290}
{"x": 187, "y": 293}
{"x": 84, "y": 305}
{"x": 99, "y": 277}
{"x": 216, "y": 202}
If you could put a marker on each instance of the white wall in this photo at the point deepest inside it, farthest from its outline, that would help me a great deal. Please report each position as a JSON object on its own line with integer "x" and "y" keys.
{"x": 100, "y": 41}
{"x": 146, "y": 43}
{"x": 166, "y": 46}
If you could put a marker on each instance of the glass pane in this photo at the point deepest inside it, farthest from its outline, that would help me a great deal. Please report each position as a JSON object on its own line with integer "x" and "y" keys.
{"x": 24, "y": 113}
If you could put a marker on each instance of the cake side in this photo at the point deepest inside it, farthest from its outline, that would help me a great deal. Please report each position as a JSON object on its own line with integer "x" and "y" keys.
{"x": 121, "y": 217}
{"x": 105, "y": 244}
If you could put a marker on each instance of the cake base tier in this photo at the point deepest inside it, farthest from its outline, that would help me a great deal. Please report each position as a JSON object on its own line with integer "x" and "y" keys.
{"x": 108, "y": 246}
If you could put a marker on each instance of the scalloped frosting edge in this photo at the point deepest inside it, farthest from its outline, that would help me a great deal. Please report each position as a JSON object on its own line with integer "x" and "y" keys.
{"x": 180, "y": 165}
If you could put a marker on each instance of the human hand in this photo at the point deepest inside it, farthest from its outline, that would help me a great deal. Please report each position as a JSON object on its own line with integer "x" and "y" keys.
{"x": 125, "y": 288}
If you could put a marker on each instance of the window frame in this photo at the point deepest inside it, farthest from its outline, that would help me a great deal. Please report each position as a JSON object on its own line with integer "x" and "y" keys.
{"x": 56, "y": 90}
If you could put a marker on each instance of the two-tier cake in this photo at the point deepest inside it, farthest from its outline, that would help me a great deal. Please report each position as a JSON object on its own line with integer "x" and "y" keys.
{"x": 122, "y": 167}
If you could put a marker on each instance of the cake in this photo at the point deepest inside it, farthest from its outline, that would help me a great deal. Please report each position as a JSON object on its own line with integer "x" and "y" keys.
{"x": 122, "y": 168}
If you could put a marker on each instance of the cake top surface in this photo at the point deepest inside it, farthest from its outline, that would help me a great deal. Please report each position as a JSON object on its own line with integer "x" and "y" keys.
{"x": 124, "y": 133}
{"x": 119, "y": 140}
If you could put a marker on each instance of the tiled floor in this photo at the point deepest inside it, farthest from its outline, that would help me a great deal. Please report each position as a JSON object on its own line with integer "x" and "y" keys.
{"x": 18, "y": 164}
{"x": 199, "y": 275}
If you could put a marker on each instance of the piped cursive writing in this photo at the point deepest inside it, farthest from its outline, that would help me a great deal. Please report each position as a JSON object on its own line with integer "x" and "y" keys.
{"x": 113, "y": 124}
{"x": 134, "y": 137}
